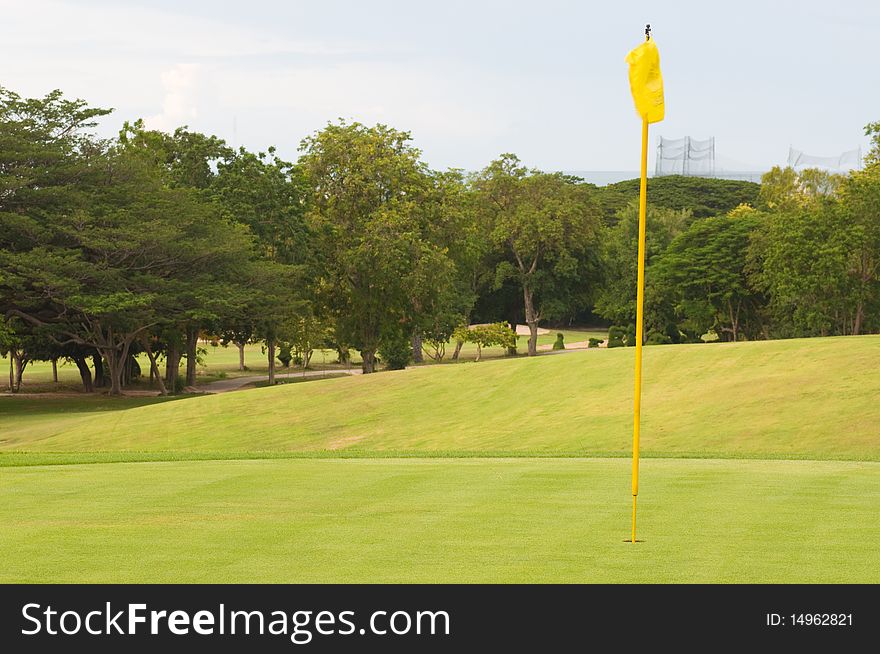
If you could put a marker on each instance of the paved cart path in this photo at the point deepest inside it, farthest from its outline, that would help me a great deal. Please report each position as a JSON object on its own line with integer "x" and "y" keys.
{"x": 235, "y": 383}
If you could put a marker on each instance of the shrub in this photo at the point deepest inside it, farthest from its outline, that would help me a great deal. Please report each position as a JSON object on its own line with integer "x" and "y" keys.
{"x": 595, "y": 342}
{"x": 616, "y": 336}
{"x": 396, "y": 351}
{"x": 497, "y": 333}
{"x": 284, "y": 354}
{"x": 559, "y": 344}
{"x": 657, "y": 338}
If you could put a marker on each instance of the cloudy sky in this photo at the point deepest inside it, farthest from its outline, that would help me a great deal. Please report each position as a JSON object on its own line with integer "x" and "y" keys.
{"x": 469, "y": 79}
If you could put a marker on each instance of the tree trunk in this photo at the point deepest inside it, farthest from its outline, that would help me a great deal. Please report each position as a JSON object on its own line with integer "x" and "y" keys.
{"x": 240, "y": 347}
{"x": 192, "y": 341}
{"x": 98, "y": 363}
{"x": 21, "y": 362}
{"x": 369, "y": 361}
{"x": 857, "y": 323}
{"x": 531, "y": 320}
{"x": 154, "y": 369}
{"x": 115, "y": 374}
{"x": 117, "y": 360}
{"x": 54, "y": 371}
{"x": 11, "y": 375}
{"x": 479, "y": 353}
{"x": 172, "y": 364}
{"x": 418, "y": 357}
{"x": 85, "y": 374}
{"x": 511, "y": 351}
{"x": 458, "y": 345}
{"x": 270, "y": 347}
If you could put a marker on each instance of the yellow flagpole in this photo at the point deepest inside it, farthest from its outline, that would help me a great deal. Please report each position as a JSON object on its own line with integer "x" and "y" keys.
{"x": 640, "y": 301}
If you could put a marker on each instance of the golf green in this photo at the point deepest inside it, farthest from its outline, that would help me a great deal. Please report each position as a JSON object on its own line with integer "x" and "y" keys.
{"x": 440, "y": 520}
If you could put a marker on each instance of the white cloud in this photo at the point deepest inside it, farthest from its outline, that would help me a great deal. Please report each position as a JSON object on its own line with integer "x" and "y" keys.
{"x": 180, "y": 105}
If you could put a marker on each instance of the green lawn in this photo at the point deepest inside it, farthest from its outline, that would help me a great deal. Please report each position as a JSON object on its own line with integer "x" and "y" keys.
{"x": 762, "y": 463}
{"x": 429, "y": 520}
{"x": 808, "y": 398}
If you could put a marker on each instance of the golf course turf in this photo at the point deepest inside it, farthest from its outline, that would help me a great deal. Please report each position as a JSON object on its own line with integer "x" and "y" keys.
{"x": 395, "y": 477}
{"x": 429, "y": 520}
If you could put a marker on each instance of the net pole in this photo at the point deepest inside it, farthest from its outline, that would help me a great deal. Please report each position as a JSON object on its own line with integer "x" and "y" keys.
{"x": 640, "y": 301}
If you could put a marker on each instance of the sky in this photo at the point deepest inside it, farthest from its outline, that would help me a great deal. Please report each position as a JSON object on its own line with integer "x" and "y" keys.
{"x": 470, "y": 80}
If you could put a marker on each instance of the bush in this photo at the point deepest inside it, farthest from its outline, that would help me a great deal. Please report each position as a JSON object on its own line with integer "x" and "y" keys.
{"x": 616, "y": 336}
{"x": 559, "y": 344}
{"x": 497, "y": 333}
{"x": 284, "y": 354}
{"x": 595, "y": 342}
{"x": 657, "y": 338}
{"x": 396, "y": 351}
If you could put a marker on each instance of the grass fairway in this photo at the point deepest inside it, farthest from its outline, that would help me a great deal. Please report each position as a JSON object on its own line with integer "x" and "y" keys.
{"x": 808, "y": 398}
{"x": 431, "y": 520}
{"x": 762, "y": 465}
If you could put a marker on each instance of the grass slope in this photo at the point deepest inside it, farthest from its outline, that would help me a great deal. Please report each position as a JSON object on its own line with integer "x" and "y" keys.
{"x": 811, "y": 398}
{"x": 434, "y": 520}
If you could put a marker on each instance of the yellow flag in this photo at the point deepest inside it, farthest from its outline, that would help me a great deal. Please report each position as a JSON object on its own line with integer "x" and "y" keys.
{"x": 646, "y": 81}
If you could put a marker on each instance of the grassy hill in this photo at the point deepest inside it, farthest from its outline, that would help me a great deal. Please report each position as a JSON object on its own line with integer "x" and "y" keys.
{"x": 137, "y": 513}
{"x": 810, "y": 398}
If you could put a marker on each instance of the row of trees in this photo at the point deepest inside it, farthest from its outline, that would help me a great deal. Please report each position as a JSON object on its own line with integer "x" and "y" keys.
{"x": 111, "y": 248}
{"x": 804, "y": 262}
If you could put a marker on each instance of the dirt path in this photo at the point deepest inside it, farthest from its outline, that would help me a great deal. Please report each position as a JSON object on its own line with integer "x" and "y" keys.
{"x": 235, "y": 383}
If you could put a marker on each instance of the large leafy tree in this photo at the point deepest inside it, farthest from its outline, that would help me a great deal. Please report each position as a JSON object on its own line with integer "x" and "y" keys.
{"x": 546, "y": 226}
{"x": 140, "y": 256}
{"x": 368, "y": 193}
{"x": 616, "y": 298}
{"x": 704, "y": 275}
{"x": 860, "y": 207}
{"x": 801, "y": 260}
{"x": 785, "y": 189}
{"x": 267, "y": 194}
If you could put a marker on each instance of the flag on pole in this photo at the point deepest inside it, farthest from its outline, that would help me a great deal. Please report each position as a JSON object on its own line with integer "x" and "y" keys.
{"x": 646, "y": 84}
{"x": 645, "y": 81}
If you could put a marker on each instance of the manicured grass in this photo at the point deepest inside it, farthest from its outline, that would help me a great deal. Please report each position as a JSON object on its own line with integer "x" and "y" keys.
{"x": 429, "y": 520}
{"x": 810, "y": 398}
{"x": 396, "y": 477}
{"x": 43, "y": 415}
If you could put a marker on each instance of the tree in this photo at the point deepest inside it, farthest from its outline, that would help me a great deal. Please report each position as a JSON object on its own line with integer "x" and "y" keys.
{"x": 802, "y": 263}
{"x": 497, "y": 333}
{"x": 873, "y": 156}
{"x": 140, "y": 256}
{"x": 368, "y": 192}
{"x": 784, "y": 189}
{"x": 616, "y": 297}
{"x": 546, "y": 226}
{"x": 267, "y": 194}
{"x": 704, "y": 275}
{"x": 860, "y": 206}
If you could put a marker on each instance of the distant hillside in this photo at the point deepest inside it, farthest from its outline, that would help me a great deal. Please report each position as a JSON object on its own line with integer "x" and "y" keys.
{"x": 703, "y": 195}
